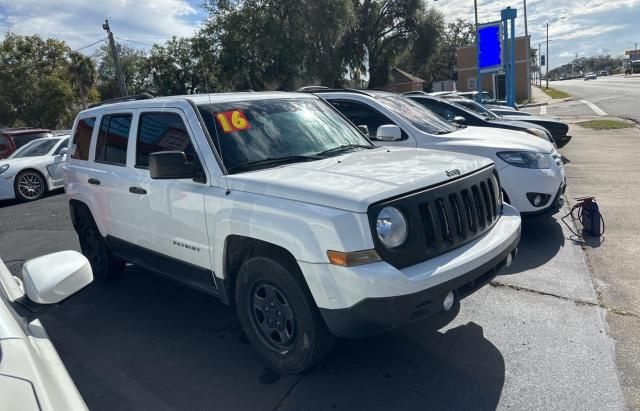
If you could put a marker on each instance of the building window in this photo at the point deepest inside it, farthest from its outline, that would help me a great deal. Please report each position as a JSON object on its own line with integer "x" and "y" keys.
{"x": 471, "y": 83}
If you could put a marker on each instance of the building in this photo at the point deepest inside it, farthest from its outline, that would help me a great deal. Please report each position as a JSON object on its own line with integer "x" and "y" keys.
{"x": 632, "y": 61}
{"x": 401, "y": 82}
{"x": 493, "y": 83}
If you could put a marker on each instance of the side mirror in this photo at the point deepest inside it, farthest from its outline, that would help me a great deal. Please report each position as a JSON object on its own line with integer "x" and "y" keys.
{"x": 54, "y": 277}
{"x": 389, "y": 133}
{"x": 63, "y": 152}
{"x": 364, "y": 130}
{"x": 165, "y": 165}
{"x": 459, "y": 120}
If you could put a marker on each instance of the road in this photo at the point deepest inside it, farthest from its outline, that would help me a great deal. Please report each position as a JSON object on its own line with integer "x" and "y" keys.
{"x": 615, "y": 95}
{"x": 535, "y": 339}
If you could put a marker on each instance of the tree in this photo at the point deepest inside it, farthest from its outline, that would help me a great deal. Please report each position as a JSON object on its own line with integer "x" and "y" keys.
{"x": 384, "y": 28}
{"x": 424, "y": 45}
{"x": 457, "y": 34}
{"x": 180, "y": 66}
{"x": 270, "y": 44}
{"x": 133, "y": 64}
{"x": 35, "y": 88}
{"x": 82, "y": 72}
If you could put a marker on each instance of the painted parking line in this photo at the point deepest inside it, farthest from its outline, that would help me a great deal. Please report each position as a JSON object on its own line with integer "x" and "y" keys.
{"x": 595, "y": 108}
{"x": 543, "y": 110}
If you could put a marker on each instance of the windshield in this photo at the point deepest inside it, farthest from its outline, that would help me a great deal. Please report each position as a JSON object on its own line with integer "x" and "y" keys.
{"x": 478, "y": 108}
{"x": 265, "y": 133}
{"x": 35, "y": 148}
{"x": 419, "y": 116}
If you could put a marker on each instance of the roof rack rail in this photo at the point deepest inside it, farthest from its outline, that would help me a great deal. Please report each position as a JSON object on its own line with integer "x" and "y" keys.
{"x": 143, "y": 96}
{"x": 320, "y": 89}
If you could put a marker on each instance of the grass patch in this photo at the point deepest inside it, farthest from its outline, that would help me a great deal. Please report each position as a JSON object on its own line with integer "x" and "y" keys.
{"x": 553, "y": 93}
{"x": 605, "y": 124}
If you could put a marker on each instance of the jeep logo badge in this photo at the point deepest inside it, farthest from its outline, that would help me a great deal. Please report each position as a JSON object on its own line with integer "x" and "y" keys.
{"x": 453, "y": 173}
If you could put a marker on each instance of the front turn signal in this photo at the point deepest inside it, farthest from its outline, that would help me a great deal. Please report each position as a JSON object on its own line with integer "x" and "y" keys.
{"x": 353, "y": 258}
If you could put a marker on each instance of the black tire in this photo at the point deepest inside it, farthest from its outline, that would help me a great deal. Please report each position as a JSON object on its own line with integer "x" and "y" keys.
{"x": 301, "y": 339}
{"x": 104, "y": 265}
{"x": 29, "y": 185}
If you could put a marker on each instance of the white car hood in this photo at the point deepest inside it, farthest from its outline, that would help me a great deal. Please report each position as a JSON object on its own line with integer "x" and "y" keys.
{"x": 499, "y": 138}
{"x": 355, "y": 180}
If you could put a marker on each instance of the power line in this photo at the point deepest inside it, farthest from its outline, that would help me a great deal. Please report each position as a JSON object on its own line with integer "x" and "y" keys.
{"x": 133, "y": 41}
{"x": 89, "y": 45}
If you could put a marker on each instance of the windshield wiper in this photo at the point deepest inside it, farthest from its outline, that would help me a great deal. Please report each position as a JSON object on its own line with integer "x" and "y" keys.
{"x": 343, "y": 147}
{"x": 272, "y": 161}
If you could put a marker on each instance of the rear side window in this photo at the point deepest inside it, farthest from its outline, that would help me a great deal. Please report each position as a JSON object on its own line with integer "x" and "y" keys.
{"x": 4, "y": 145}
{"x": 113, "y": 136}
{"x": 162, "y": 132}
{"x": 82, "y": 138}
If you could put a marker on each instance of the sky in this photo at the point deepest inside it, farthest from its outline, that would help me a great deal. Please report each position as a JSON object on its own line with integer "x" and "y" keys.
{"x": 588, "y": 27}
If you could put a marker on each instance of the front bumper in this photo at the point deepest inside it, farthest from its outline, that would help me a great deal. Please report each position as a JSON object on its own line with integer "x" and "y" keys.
{"x": 6, "y": 187}
{"x": 517, "y": 182}
{"x": 377, "y": 315}
{"x": 372, "y": 298}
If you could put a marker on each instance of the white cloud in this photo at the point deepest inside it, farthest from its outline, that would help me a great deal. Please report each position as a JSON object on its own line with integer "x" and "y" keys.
{"x": 588, "y": 26}
{"x": 79, "y": 22}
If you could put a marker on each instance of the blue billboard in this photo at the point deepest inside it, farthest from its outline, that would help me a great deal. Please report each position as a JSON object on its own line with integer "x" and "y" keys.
{"x": 489, "y": 47}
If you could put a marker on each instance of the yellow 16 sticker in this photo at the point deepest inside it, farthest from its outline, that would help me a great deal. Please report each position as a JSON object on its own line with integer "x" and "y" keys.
{"x": 231, "y": 121}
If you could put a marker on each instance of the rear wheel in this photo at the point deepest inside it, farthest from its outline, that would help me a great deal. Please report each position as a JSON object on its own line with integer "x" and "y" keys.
{"x": 279, "y": 317}
{"x": 29, "y": 186}
{"x": 104, "y": 265}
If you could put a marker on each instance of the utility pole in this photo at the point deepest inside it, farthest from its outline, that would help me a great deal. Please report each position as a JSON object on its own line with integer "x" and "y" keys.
{"x": 540, "y": 65}
{"x": 526, "y": 36}
{"x": 547, "y": 58}
{"x": 116, "y": 60}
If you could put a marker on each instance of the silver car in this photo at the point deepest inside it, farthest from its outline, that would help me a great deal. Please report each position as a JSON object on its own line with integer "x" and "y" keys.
{"x": 35, "y": 168}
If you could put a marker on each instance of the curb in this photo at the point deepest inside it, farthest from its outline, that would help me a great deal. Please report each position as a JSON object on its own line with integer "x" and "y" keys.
{"x": 534, "y": 105}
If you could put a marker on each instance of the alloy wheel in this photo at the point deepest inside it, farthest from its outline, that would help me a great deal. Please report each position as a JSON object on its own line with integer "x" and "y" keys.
{"x": 30, "y": 186}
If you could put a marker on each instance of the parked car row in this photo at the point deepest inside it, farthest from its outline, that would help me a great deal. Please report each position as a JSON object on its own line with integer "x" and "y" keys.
{"x": 323, "y": 214}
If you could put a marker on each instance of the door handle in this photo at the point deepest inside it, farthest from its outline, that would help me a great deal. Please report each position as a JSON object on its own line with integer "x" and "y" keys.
{"x": 94, "y": 181}
{"x": 137, "y": 190}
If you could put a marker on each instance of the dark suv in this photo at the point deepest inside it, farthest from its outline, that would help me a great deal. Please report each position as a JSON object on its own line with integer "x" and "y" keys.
{"x": 12, "y": 139}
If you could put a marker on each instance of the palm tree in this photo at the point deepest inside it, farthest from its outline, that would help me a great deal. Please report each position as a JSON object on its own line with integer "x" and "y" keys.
{"x": 82, "y": 72}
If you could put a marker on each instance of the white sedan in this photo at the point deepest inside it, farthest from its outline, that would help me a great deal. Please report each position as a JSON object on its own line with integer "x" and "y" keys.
{"x": 34, "y": 169}
{"x": 32, "y": 376}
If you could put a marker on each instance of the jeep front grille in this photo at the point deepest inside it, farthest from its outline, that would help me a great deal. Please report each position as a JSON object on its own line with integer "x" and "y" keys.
{"x": 444, "y": 217}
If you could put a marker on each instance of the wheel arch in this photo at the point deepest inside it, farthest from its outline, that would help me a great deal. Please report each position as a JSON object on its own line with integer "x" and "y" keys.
{"x": 239, "y": 248}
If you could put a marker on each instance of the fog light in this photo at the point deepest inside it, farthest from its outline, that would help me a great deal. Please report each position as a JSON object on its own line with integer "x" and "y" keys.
{"x": 448, "y": 301}
{"x": 538, "y": 199}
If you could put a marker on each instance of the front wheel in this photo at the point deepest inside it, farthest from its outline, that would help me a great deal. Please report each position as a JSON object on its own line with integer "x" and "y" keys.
{"x": 104, "y": 265}
{"x": 279, "y": 317}
{"x": 29, "y": 186}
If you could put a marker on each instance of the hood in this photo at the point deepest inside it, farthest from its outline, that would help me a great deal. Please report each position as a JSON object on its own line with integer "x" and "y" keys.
{"x": 555, "y": 127}
{"x": 355, "y": 180}
{"x": 498, "y": 139}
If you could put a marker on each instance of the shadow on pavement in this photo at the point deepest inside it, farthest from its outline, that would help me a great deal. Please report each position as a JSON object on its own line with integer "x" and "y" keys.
{"x": 144, "y": 342}
{"x": 8, "y": 203}
{"x": 540, "y": 241}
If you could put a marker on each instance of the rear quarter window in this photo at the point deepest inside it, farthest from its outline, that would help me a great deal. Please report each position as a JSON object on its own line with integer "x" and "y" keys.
{"x": 82, "y": 138}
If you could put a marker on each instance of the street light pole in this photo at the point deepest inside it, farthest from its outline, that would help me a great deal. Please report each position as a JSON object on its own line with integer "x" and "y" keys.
{"x": 547, "y": 58}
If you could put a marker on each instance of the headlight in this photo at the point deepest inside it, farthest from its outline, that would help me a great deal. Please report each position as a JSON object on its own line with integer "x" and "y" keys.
{"x": 391, "y": 227}
{"x": 538, "y": 133}
{"x": 525, "y": 159}
{"x": 4, "y": 168}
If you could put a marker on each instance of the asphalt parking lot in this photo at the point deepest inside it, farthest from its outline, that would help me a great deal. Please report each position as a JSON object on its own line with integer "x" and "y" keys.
{"x": 535, "y": 338}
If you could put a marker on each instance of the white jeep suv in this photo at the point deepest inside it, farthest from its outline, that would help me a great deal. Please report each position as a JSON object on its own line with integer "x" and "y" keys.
{"x": 275, "y": 203}
{"x": 530, "y": 169}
